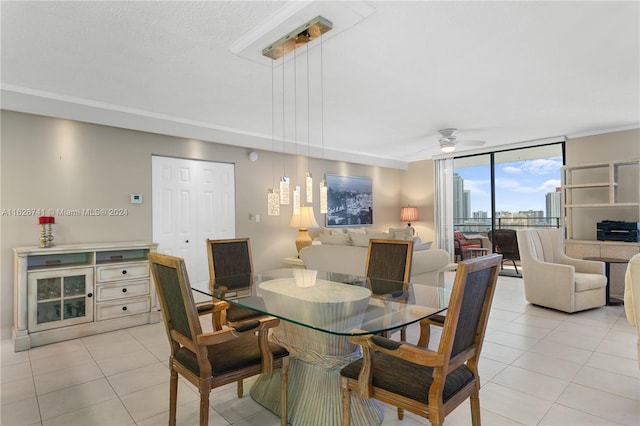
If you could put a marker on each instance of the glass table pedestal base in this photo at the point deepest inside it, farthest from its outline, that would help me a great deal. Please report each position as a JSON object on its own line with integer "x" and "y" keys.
{"x": 314, "y": 382}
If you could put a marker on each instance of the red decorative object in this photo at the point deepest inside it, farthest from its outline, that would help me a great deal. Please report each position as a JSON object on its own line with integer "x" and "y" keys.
{"x": 46, "y": 236}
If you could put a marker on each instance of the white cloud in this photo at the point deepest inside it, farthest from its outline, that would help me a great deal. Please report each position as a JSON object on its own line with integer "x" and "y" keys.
{"x": 540, "y": 166}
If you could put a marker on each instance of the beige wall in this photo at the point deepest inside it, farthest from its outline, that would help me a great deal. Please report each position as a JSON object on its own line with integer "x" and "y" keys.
{"x": 605, "y": 148}
{"x": 615, "y": 146}
{"x": 417, "y": 190}
{"x": 50, "y": 163}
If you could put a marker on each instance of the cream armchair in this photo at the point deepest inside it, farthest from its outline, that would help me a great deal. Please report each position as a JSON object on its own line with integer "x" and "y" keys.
{"x": 632, "y": 295}
{"x": 554, "y": 280}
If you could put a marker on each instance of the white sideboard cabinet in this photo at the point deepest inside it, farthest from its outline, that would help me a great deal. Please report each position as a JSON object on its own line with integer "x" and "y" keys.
{"x": 70, "y": 291}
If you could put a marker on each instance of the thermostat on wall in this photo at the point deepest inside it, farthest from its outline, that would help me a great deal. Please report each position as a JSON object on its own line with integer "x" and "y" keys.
{"x": 136, "y": 199}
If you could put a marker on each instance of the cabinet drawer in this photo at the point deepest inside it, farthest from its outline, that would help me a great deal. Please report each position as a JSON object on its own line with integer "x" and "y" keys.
{"x": 121, "y": 290}
{"x": 122, "y": 308}
{"x": 122, "y": 271}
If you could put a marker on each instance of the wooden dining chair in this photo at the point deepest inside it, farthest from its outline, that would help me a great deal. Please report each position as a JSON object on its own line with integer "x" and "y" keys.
{"x": 430, "y": 383}
{"x": 230, "y": 262}
{"x": 210, "y": 360}
{"x": 389, "y": 269}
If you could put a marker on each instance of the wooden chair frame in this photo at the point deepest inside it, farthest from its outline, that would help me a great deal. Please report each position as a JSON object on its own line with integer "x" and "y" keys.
{"x": 453, "y": 352}
{"x": 185, "y": 333}
{"x": 379, "y": 253}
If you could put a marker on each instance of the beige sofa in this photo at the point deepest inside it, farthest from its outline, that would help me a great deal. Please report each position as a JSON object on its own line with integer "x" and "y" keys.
{"x": 427, "y": 266}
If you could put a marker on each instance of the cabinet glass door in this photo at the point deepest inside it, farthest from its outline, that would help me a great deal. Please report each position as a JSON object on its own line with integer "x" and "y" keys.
{"x": 61, "y": 298}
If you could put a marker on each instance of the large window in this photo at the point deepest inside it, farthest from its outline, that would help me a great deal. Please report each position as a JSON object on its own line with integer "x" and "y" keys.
{"x": 512, "y": 189}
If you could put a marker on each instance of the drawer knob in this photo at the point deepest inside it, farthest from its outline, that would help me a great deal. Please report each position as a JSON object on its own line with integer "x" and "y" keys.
{"x": 124, "y": 272}
{"x": 124, "y": 290}
{"x": 124, "y": 308}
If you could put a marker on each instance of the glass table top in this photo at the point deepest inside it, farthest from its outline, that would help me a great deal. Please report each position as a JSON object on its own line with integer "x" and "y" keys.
{"x": 331, "y": 302}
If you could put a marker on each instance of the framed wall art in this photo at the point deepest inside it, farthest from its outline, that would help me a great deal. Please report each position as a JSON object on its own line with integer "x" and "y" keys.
{"x": 349, "y": 200}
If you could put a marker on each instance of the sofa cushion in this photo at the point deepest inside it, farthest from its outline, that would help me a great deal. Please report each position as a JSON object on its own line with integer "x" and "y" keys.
{"x": 363, "y": 240}
{"x": 586, "y": 282}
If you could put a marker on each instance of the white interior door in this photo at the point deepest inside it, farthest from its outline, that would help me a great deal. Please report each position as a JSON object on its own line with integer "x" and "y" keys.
{"x": 192, "y": 201}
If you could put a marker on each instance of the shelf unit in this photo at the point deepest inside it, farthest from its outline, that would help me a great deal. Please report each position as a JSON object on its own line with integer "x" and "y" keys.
{"x": 604, "y": 189}
{"x": 69, "y": 291}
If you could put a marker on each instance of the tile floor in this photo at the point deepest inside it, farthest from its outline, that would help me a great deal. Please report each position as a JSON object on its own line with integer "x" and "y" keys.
{"x": 539, "y": 367}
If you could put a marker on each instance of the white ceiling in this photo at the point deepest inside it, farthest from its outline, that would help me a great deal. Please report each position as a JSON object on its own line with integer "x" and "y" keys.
{"x": 393, "y": 72}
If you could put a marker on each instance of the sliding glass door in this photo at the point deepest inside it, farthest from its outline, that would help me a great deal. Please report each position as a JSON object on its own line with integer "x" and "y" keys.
{"x": 506, "y": 191}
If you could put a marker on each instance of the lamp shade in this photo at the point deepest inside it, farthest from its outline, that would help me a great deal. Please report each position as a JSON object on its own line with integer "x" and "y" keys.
{"x": 409, "y": 214}
{"x": 305, "y": 219}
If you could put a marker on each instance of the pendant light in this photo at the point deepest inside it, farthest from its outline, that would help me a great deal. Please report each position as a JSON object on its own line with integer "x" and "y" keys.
{"x": 324, "y": 191}
{"x": 284, "y": 180}
{"x": 273, "y": 194}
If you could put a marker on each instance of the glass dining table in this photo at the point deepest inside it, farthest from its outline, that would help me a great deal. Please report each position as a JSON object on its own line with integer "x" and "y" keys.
{"x": 319, "y": 311}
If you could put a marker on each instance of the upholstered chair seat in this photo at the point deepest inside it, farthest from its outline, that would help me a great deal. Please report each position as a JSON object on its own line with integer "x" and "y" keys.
{"x": 408, "y": 379}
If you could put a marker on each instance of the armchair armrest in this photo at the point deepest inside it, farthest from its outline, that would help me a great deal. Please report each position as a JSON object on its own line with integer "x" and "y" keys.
{"x": 411, "y": 353}
{"x": 261, "y": 324}
{"x": 217, "y": 308}
{"x": 584, "y": 266}
{"x": 474, "y": 241}
{"x": 406, "y": 351}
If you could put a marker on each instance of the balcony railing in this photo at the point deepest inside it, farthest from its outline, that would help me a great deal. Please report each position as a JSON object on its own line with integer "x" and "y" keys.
{"x": 474, "y": 225}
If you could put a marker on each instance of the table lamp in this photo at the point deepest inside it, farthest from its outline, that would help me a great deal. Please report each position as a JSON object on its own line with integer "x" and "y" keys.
{"x": 409, "y": 214}
{"x": 303, "y": 221}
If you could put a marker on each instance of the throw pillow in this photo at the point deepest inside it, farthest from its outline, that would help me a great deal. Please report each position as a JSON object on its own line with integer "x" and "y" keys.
{"x": 360, "y": 240}
{"x": 337, "y": 239}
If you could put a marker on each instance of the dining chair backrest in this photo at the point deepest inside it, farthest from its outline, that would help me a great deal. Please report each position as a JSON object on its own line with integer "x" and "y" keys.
{"x": 177, "y": 304}
{"x": 231, "y": 266}
{"x": 229, "y": 257}
{"x": 389, "y": 259}
{"x": 468, "y": 309}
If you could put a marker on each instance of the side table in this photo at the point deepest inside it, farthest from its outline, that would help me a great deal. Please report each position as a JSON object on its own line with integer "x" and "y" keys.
{"x": 611, "y": 301}
{"x": 293, "y": 262}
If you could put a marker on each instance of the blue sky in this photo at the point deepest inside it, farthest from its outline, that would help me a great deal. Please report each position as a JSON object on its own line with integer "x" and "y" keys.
{"x": 520, "y": 185}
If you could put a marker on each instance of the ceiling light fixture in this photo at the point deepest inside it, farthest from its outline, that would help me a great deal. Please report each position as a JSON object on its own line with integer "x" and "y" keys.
{"x": 447, "y": 146}
{"x": 298, "y": 37}
{"x": 301, "y": 36}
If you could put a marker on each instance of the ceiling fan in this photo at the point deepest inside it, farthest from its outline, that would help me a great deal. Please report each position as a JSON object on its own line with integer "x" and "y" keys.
{"x": 448, "y": 140}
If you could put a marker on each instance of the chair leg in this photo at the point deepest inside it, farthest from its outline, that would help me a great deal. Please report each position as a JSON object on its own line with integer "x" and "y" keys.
{"x": 346, "y": 402}
{"x": 284, "y": 393}
{"x": 173, "y": 395}
{"x": 240, "y": 388}
{"x": 400, "y": 413}
{"x": 205, "y": 390}
{"x": 403, "y": 334}
{"x": 474, "y": 399}
{"x": 515, "y": 266}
